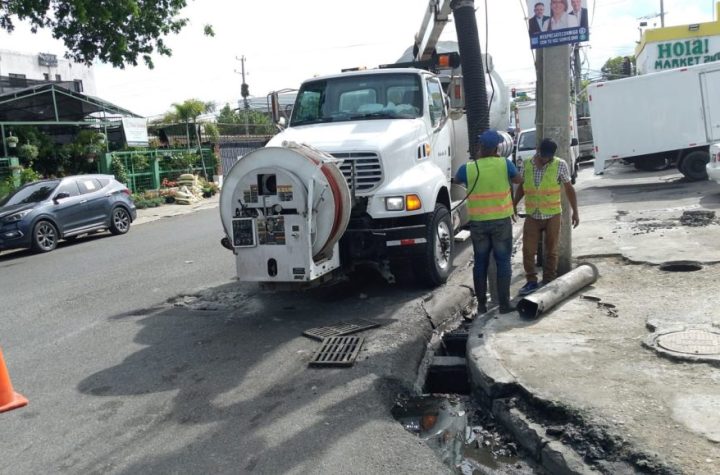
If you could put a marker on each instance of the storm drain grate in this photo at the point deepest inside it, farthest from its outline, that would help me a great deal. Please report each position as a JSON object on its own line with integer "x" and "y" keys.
{"x": 337, "y": 351}
{"x": 339, "y": 329}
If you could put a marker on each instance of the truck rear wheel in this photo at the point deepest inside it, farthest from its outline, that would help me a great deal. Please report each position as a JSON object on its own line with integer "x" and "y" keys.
{"x": 693, "y": 165}
{"x": 434, "y": 265}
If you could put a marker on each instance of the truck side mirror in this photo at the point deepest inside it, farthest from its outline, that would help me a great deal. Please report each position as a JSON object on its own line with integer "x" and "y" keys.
{"x": 574, "y": 142}
{"x": 275, "y": 107}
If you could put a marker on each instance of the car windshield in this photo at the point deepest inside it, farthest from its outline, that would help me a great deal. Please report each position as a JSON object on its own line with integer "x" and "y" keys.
{"x": 30, "y": 193}
{"x": 363, "y": 97}
{"x": 527, "y": 141}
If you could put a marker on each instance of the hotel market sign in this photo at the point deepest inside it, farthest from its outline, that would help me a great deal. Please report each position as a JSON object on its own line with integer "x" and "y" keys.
{"x": 682, "y": 53}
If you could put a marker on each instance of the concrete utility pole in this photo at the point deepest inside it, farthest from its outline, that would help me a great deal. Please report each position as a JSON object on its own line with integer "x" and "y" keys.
{"x": 662, "y": 14}
{"x": 244, "y": 92}
{"x": 554, "y": 91}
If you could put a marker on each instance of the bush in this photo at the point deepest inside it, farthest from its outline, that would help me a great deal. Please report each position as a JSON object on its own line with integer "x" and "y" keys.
{"x": 118, "y": 169}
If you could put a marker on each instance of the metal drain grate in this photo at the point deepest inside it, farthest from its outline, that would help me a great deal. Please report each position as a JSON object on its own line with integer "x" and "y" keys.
{"x": 337, "y": 351}
{"x": 339, "y": 329}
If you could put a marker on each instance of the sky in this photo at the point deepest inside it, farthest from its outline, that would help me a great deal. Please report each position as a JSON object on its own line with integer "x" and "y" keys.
{"x": 287, "y": 41}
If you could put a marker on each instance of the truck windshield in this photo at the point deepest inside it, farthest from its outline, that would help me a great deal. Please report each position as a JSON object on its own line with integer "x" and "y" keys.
{"x": 527, "y": 141}
{"x": 364, "y": 97}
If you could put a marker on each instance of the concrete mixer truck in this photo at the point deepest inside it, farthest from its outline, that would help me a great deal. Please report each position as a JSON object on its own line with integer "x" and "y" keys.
{"x": 361, "y": 174}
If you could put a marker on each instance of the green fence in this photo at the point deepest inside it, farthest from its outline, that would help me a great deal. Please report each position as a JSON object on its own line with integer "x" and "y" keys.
{"x": 145, "y": 170}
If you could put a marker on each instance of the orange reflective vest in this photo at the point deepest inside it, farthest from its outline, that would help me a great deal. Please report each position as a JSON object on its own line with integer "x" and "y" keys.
{"x": 490, "y": 197}
{"x": 545, "y": 197}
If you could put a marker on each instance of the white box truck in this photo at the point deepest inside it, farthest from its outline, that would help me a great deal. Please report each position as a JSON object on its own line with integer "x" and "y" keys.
{"x": 524, "y": 116}
{"x": 658, "y": 119}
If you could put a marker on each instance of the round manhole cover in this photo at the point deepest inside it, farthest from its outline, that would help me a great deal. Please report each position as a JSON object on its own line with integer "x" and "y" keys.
{"x": 692, "y": 342}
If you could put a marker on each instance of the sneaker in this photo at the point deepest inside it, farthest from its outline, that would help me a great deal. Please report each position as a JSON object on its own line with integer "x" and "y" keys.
{"x": 529, "y": 288}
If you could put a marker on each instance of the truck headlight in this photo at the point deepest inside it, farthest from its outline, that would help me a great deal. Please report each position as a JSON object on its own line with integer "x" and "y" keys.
{"x": 395, "y": 203}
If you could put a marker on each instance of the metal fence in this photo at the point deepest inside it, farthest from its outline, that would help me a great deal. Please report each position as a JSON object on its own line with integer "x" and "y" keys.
{"x": 147, "y": 169}
{"x": 232, "y": 148}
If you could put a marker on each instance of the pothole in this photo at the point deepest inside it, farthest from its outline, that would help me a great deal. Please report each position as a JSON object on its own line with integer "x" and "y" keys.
{"x": 697, "y": 343}
{"x": 681, "y": 266}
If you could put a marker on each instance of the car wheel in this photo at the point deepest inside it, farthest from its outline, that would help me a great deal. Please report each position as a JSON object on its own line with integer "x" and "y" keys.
{"x": 120, "y": 221}
{"x": 433, "y": 267}
{"x": 693, "y": 165}
{"x": 45, "y": 237}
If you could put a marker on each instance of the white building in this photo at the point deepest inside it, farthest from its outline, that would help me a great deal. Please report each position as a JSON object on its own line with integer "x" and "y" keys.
{"x": 21, "y": 70}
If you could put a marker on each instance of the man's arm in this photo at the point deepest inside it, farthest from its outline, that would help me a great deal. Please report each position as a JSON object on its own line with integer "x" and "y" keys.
{"x": 572, "y": 198}
{"x": 519, "y": 194}
{"x": 513, "y": 174}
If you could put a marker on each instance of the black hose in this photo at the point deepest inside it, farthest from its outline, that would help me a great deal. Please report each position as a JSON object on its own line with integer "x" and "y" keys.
{"x": 476, "y": 101}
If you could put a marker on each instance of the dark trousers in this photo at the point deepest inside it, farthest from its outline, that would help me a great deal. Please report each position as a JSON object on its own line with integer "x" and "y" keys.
{"x": 492, "y": 236}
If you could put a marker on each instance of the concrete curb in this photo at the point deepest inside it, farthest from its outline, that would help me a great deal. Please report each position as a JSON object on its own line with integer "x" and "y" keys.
{"x": 148, "y": 215}
{"x": 554, "y": 456}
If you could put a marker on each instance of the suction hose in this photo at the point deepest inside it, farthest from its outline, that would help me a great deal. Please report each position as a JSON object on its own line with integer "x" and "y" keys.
{"x": 476, "y": 100}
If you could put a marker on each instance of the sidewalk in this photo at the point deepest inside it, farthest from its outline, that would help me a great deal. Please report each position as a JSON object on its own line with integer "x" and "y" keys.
{"x": 632, "y": 391}
{"x": 148, "y": 215}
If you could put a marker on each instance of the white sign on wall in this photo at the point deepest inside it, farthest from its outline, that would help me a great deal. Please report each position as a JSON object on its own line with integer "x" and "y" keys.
{"x": 136, "y": 134}
{"x": 678, "y": 53}
{"x": 557, "y": 22}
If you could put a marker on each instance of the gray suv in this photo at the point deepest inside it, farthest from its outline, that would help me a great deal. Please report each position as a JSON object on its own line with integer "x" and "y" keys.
{"x": 39, "y": 214}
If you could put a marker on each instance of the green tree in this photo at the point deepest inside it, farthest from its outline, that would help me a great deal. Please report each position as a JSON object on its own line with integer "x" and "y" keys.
{"x": 116, "y": 32}
{"x": 613, "y": 67}
{"x": 238, "y": 122}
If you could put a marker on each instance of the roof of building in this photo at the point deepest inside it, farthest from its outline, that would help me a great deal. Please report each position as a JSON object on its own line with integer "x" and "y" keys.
{"x": 51, "y": 103}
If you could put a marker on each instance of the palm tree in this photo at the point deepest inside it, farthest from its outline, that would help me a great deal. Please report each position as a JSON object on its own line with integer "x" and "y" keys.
{"x": 190, "y": 110}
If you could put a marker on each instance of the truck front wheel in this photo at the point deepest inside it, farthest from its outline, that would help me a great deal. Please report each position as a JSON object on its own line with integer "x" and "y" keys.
{"x": 434, "y": 265}
{"x": 693, "y": 165}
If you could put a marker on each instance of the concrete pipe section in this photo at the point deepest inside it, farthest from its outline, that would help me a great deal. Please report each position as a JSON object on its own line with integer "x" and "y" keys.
{"x": 558, "y": 290}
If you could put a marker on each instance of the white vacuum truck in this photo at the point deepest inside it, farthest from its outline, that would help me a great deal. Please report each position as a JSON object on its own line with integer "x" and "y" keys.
{"x": 361, "y": 175}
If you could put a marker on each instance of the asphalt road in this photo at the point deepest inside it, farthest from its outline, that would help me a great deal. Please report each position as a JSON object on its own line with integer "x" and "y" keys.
{"x": 140, "y": 354}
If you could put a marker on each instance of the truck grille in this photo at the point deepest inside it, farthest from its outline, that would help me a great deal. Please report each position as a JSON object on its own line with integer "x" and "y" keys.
{"x": 368, "y": 170}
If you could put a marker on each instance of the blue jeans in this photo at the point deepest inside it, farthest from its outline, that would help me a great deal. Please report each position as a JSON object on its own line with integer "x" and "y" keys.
{"x": 495, "y": 236}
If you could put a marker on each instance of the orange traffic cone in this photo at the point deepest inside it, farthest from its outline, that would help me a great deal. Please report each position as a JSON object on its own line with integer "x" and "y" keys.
{"x": 9, "y": 399}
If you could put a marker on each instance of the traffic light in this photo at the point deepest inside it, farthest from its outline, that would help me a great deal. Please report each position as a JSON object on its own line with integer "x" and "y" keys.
{"x": 244, "y": 90}
{"x": 513, "y": 92}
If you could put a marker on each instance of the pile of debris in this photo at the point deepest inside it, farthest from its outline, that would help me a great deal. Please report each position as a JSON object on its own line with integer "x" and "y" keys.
{"x": 189, "y": 190}
{"x": 697, "y": 218}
